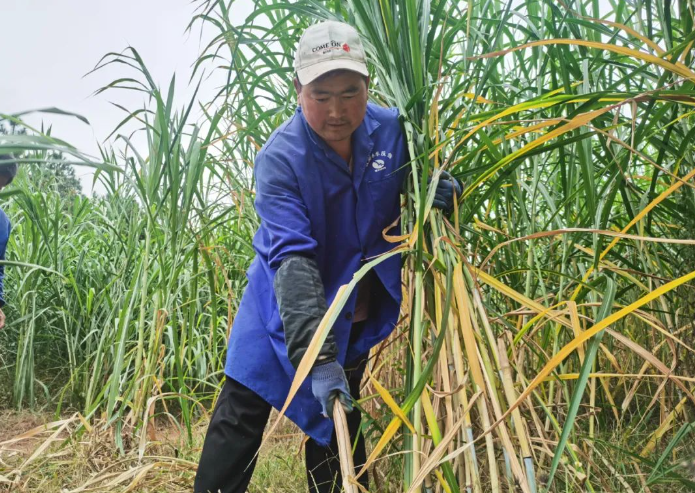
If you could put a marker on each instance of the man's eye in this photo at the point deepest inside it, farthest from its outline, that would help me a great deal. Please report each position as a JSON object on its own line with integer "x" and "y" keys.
{"x": 321, "y": 100}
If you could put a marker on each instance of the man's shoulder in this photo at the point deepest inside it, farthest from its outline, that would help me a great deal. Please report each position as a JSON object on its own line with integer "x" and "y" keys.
{"x": 384, "y": 115}
{"x": 287, "y": 139}
{"x": 285, "y": 148}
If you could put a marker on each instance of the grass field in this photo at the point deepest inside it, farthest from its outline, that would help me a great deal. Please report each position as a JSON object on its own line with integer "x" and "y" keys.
{"x": 547, "y": 336}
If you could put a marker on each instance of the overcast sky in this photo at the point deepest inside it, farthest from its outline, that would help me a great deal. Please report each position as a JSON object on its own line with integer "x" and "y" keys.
{"x": 48, "y": 46}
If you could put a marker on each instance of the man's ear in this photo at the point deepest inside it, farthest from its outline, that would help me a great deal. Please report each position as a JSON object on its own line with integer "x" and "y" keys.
{"x": 297, "y": 88}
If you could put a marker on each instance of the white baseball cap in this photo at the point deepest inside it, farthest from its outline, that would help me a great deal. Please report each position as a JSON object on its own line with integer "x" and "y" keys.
{"x": 328, "y": 46}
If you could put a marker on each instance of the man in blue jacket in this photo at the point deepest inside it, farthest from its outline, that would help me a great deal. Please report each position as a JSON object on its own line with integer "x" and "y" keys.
{"x": 328, "y": 183}
{"x": 8, "y": 170}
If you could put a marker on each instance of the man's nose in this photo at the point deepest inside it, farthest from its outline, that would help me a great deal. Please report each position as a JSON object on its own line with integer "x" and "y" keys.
{"x": 335, "y": 107}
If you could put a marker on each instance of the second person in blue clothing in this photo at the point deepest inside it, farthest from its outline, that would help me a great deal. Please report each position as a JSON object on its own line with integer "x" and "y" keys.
{"x": 328, "y": 183}
{"x": 8, "y": 170}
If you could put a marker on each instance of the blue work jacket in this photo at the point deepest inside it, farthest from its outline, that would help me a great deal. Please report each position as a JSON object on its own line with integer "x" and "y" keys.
{"x": 310, "y": 204}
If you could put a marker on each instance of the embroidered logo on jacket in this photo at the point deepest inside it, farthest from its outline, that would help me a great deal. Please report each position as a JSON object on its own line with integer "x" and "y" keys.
{"x": 378, "y": 160}
{"x": 379, "y": 165}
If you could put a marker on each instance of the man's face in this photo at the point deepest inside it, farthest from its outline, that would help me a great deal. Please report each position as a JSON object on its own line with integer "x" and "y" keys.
{"x": 334, "y": 106}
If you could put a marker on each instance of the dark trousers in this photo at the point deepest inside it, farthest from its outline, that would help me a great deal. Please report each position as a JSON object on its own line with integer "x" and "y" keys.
{"x": 235, "y": 433}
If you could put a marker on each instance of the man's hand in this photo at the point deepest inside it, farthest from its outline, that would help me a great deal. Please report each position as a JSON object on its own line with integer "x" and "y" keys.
{"x": 444, "y": 195}
{"x": 2, "y": 319}
{"x": 328, "y": 382}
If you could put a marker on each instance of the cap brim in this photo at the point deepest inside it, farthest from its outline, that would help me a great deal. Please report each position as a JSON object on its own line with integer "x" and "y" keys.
{"x": 308, "y": 74}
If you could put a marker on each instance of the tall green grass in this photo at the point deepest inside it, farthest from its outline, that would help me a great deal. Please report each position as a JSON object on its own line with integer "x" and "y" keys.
{"x": 123, "y": 300}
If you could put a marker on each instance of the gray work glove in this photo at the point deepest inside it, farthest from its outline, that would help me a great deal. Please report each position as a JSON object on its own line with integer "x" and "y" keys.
{"x": 328, "y": 382}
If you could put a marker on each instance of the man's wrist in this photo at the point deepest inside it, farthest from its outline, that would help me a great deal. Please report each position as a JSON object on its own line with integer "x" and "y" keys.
{"x": 323, "y": 359}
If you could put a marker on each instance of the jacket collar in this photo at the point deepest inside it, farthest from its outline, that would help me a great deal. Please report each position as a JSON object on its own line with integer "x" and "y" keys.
{"x": 362, "y": 144}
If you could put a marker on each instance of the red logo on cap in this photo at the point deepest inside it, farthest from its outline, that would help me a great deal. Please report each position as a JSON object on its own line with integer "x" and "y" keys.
{"x": 346, "y": 47}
